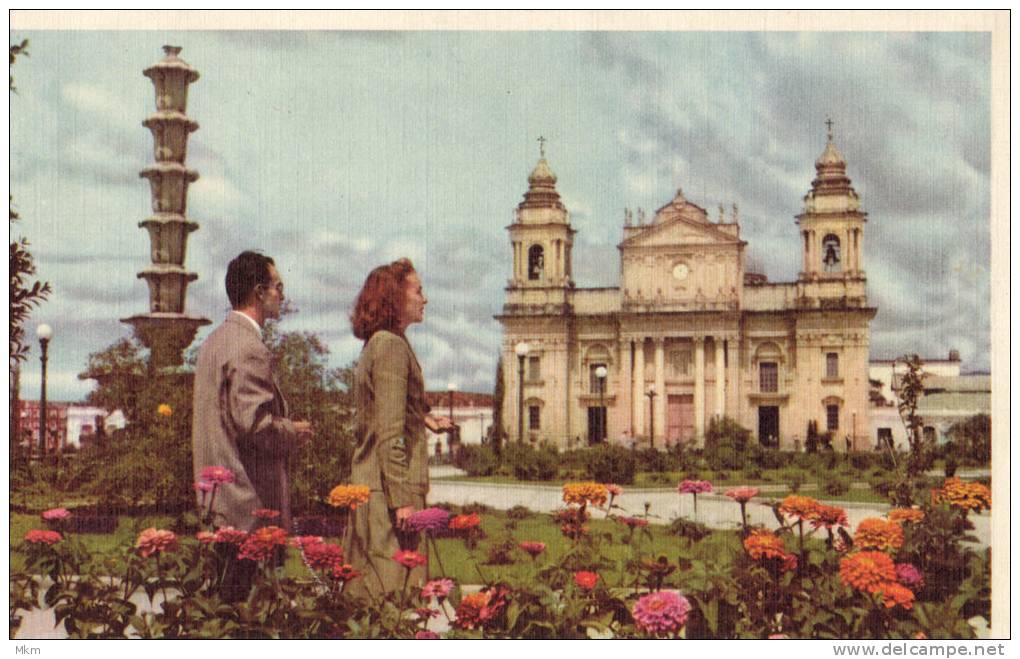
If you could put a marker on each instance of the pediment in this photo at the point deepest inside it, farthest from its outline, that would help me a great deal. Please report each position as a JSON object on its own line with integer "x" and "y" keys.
{"x": 680, "y": 232}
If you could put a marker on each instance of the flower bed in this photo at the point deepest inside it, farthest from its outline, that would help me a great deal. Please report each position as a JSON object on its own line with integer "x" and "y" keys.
{"x": 558, "y": 576}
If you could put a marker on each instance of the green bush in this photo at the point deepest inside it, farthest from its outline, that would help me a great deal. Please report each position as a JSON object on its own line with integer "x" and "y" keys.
{"x": 530, "y": 464}
{"x": 656, "y": 461}
{"x": 610, "y": 463}
{"x": 973, "y": 437}
{"x": 476, "y": 460}
{"x": 863, "y": 461}
{"x": 727, "y": 444}
{"x": 835, "y": 486}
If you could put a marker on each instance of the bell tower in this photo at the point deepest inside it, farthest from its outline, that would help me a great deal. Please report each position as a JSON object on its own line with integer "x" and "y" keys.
{"x": 541, "y": 236}
{"x": 832, "y": 223}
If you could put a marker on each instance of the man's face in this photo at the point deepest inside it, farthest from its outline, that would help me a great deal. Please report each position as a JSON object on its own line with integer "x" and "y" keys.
{"x": 272, "y": 294}
{"x": 414, "y": 300}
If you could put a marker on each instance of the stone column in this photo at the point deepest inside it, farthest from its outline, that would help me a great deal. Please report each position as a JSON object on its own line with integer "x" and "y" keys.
{"x": 623, "y": 413}
{"x": 807, "y": 251}
{"x": 660, "y": 387}
{"x": 699, "y": 389}
{"x": 720, "y": 378}
{"x": 639, "y": 386}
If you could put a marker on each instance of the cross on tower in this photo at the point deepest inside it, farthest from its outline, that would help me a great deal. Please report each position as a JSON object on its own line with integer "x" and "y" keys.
{"x": 828, "y": 122}
{"x": 541, "y": 146}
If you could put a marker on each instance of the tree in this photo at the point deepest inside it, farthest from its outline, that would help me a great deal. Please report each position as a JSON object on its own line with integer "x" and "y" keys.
{"x": 973, "y": 438}
{"x": 25, "y": 294}
{"x": 910, "y": 391}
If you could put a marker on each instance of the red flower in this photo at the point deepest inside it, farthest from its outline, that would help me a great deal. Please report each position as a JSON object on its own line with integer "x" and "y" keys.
{"x": 265, "y": 513}
{"x": 154, "y": 541}
{"x": 478, "y": 609}
{"x": 409, "y": 559}
{"x": 205, "y": 537}
{"x": 217, "y": 475}
{"x": 586, "y": 580}
{"x": 40, "y": 537}
{"x": 261, "y": 544}
{"x": 323, "y": 556}
{"x": 231, "y": 536}
{"x": 632, "y": 522}
{"x": 345, "y": 572}
{"x": 465, "y": 522}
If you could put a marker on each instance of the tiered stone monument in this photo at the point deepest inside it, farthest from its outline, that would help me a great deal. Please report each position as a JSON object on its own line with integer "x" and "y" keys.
{"x": 166, "y": 330}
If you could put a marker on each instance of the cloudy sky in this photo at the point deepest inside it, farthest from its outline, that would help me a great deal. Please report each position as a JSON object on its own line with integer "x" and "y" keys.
{"x": 337, "y": 151}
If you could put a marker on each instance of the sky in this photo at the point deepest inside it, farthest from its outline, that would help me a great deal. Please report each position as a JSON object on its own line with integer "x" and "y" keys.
{"x": 334, "y": 152}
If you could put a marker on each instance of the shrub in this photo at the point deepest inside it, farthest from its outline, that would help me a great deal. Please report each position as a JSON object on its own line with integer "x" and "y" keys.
{"x": 726, "y": 444}
{"x": 769, "y": 458}
{"x": 973, "y": 436}
{"x": 476, "y": 460}
{"x": 531, "y": 464}
{"x": 795, "y": 482}
{"x": 835, "y": 486}
{"x": 655, "y": 461}
{"x": 610, "y": 463}
{"x": 862, "y": 461}
{"x": 685, "y": 528}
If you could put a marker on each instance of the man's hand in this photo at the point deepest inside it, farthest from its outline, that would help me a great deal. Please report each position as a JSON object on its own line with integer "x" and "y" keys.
{"x": 402, "y": 514}
{"x": 304, "y": 430}
{"x": 438, "y": 424}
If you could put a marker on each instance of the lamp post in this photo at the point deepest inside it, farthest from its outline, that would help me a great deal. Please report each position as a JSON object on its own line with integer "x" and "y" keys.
{"x": 452, "y": 435}
{"x": 44, "y": 332}
{"x": 521, "y": 350}
{"x": 651, "y": 415}
{"x": 600, "y": 373}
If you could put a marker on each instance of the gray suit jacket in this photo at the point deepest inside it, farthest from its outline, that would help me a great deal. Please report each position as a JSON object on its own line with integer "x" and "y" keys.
{"x": 240, "y": 422}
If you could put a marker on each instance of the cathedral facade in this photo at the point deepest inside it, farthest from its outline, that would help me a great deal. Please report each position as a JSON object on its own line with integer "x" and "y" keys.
{"x": 689, "y": 335}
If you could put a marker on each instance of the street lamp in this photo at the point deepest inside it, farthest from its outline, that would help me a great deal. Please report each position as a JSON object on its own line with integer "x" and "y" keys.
{"x": 452, "y": 437}
{"x": 600, "y": 373}
{"x": 651, "y": 415}
{"x": 521, "y": 349}
{"x": 44, "y": 332}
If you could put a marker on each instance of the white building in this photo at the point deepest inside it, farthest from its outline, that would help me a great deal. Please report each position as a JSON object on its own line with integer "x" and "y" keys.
{"x": 472, "y": 412}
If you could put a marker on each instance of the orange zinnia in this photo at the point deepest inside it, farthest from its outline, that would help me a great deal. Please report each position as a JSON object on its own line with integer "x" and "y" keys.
{"x": 894, "y": 594}
{"x": 799, "y": 506}
{"x": 582, "y": 493}
{"x": 969, "y": 496}
{"x": 875, "y": 533}
{"x": 349, "y": 496}
{"x": 905, "y": 515}
{"x": 827, "y": 516}
{"x": 867, "y": 571}
{"x": 763, "y": 545}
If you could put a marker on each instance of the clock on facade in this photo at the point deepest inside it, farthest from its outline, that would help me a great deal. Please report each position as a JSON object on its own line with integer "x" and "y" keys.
{"x": 680, "y": 271}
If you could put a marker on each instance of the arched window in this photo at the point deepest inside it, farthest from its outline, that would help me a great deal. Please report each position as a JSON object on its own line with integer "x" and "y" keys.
{"x": 830, "y": 253}
{"x": 536, "y": 262}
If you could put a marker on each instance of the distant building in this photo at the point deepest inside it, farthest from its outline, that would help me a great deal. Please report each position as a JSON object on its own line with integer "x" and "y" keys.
{"x": 471, "y": 412}
{"x": 68, "y": 424}
{"x": 690, "y": 334}
{"x": 949, "y": 397}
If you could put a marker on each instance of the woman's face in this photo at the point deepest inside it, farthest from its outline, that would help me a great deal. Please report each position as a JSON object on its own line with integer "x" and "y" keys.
{"x": 414, "y": 300}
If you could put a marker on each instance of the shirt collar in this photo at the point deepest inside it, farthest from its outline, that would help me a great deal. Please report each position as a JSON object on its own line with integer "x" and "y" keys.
{"x": 250, "y": 320}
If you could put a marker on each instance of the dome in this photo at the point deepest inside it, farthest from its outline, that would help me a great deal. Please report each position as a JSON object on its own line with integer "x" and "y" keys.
{"x": 541, "y": 174}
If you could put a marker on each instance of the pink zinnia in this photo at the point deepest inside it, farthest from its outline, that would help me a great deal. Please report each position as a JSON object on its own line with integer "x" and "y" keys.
{"x": 694, "y": 487}
{"x": 909, "y": 576}
{"x": 661, "y": 612}
{"x": 155, "y": 541}
{"x": 532, "y": 547}
{"x": 230, "y": 535}
{"x": 203, "y": 486}
{"x": 54, "y": 514}
{"x": 41, "y": 537}
{"x": 438, "y": 588}
{"x": 265, "y": 513}
{"x": 409, "y": 559}
{"x": 205, "y": 537}
{"x": 261, "y": 544}
{"x": 428, "y": 520}
{"x": 586, "y": 580}
{"x": 742, "y": 494}
{"x": 217, "y": 475}
{"x": 426, "y": 635}
{"x": 614, "y": 489}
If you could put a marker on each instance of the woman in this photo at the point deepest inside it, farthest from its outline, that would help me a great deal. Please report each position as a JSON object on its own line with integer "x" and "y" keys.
{"x": 390, "y": 453}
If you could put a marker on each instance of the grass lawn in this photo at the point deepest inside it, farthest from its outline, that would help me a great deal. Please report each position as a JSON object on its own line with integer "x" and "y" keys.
{"x": 458, "y": 562}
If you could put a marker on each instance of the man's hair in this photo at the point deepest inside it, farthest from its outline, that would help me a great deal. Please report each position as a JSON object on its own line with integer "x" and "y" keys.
{"x": 381, "y": 300}
{"x": 244, "y": 273}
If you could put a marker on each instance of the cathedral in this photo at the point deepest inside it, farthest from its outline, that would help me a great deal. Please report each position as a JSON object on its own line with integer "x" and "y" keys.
{"x": 689, "y": 335}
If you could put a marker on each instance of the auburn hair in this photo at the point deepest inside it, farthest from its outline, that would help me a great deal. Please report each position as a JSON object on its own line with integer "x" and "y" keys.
{"x": 382, "y": 299}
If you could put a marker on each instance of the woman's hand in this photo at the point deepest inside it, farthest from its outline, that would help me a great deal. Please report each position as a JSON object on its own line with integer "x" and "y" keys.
{"x": 402, "y": 514}
{"x": 439, "y": 424}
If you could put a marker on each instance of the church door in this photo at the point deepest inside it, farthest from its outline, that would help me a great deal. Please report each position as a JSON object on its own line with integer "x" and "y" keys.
{"x": 679, "y": 418}
{"x": 768, "y": 426}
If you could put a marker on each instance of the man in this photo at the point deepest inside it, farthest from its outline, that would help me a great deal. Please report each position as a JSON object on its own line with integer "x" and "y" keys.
{"x": 240, "y": 417}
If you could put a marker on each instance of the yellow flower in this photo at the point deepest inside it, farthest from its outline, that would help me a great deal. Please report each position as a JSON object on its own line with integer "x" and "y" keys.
{"x": 582, "y": 493}
{"x": 164, "y": 410}
{"x": 905, "y": 515}
{"x": 349, "y": 496}
{"x": 799, "y": 506}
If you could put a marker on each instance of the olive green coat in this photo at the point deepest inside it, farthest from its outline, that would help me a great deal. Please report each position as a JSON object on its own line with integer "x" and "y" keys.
{"x": 391, "y": 457}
